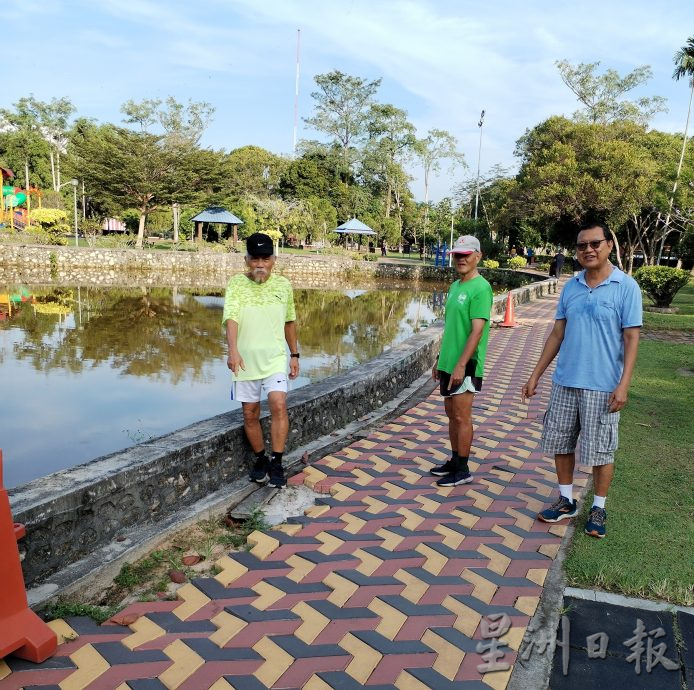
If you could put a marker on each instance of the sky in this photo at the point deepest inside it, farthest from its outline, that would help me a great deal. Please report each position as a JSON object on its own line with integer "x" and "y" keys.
{"x": 443, "y": 61}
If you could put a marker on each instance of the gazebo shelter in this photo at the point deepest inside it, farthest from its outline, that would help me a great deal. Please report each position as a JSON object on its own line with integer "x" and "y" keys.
{"x": 354, "y": 227}
{"x": 216, "y": 215}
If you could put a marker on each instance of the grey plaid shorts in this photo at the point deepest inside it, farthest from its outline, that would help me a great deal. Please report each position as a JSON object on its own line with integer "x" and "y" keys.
{"x": 577, "y": 411}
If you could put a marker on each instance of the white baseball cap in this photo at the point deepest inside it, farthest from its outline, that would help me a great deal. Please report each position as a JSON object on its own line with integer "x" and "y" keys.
{"x": 467, "y": 244}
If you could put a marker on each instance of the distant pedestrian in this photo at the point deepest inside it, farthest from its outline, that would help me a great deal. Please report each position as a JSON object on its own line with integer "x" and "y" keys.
{"x": 596, "y": 334}
{"x": 559, "y": 262}
{"x": 259, "y": 316}
{"x": 383, "y": 248}
{"x": 460, "y": 366}
{"x": 531, "y": 255}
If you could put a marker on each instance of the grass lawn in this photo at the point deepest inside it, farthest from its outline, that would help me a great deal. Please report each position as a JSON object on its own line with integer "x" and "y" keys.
{"x": 650, "y": 527}
{"x": 682, "y": 321}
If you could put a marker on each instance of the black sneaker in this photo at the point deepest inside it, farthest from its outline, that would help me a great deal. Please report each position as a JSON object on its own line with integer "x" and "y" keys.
{"x": 455, "y": 478}
{"x": 260, "y": 470}
{"x": 443, "y": 470}
{"x": 277, "y": 478}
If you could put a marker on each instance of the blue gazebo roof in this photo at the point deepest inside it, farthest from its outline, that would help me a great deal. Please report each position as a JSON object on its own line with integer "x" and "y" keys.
{"x": 217, "y": 214}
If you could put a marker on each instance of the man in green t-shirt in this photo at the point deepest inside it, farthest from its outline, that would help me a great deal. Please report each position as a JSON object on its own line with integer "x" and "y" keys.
{"x": 460, "y": 366}
{"x": 260, "y": 318}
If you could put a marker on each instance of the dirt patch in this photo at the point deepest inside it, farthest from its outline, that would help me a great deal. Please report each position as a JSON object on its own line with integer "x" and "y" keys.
{"x": 188, "y": 554}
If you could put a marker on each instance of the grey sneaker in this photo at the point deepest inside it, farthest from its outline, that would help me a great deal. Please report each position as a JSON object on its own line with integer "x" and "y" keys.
{"x": 559, "y": 510}
{"x": 455, "y": 478}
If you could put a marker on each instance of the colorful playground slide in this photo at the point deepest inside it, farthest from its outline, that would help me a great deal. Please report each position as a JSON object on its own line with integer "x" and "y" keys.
{"x": 13, "y": 196}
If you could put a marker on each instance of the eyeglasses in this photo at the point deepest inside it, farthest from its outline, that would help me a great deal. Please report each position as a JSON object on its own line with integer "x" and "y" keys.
{"x": 594, "y": 244}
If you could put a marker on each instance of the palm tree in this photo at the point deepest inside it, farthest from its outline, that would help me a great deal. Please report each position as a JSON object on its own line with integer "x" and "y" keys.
{"x": 684, "y": 67}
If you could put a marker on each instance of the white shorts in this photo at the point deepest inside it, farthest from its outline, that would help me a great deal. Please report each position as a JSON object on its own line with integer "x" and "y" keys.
{"x": 252, "y": 391}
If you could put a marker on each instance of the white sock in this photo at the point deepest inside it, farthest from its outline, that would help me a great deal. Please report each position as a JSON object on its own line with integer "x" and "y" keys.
{"x": 599, "y": 501}
{"x": 567, "y": 490}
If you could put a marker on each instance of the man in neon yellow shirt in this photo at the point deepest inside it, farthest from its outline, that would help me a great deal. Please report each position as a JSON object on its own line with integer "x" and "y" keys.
{"x": 260, "y": 318}
{"x": 460, "y": 366}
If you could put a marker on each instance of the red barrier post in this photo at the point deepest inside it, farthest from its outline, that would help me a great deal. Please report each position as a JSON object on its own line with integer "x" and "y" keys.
{"x": 22, "y": 632}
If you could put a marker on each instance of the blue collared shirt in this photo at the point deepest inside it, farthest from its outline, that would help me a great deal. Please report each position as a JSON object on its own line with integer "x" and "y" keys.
{"x": 592, "y": 352}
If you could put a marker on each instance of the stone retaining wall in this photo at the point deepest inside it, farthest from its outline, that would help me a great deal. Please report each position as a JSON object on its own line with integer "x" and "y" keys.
{"x": 42, "y": 265}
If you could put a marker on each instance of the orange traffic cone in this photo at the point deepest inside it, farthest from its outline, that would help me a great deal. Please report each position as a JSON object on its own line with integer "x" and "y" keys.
{"x": 509, "y": 318}
{"x": 22, "y": 632}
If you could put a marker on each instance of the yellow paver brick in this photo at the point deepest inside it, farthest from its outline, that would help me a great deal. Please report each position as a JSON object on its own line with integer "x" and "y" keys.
{"x": 415, "y": 588}
{"x": 391, "y": 619}
{"x": 300, "y": 567}
{"x": 497, "y": 680}
{"x": 550, "y": 550}
{"x": 393, "y": 491}
{"x": 267, "y": 595}
{"x": 144, "y": 630}
{"x": 375, "y": 506}
{"x": 63, "y": 631}
{"x": 412, "y": 520}
{"x": 90, "y": 665}
{"x": 365, "y": 659}
{"x": 222, "y": 684}
{"x": 435, "y": 561}
{"x": 527, "y": 605}
{"x": 277, "y": 661}
{"x": 185, "y": 663}
{"x": 343, "y": 589}
{"x": 313, "y": 623}
{"x": 315, "y": 683}
{"x": 451, "y": 538}
{"x": 353, "y": 524}
{"x": 229, "y": 570}
{"x": 467, "y": 619}
{"x": 512, "y": 540}
{"x": 193, "y": 600}
{"x": 263, "y": 544}
{"x": 391, "y": 541}
{"x": 228, "y": 627}
{"x": 498, "y": 563}
{"x": 537, "y": 575}
{"x": 4, "y": 669}
{"x": 369, "y": 563}
{"x": 449, "y": 657}
{"x": 330, "y": 543}
{"x": 484, "y": 590}
{"x": 406, "y": 681}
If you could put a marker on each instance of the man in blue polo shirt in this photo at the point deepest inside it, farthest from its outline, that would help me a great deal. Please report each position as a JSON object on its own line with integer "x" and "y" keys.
{"x": 596, "y": 334}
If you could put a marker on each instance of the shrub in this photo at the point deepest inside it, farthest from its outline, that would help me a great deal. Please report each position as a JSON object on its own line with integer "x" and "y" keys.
{"x": 490, "y": 263}
{"x": 542, "y": 267}
{"x": 661, "y": 283}
{"x": 516, "y": 262}
{"x": 370, "y": 257}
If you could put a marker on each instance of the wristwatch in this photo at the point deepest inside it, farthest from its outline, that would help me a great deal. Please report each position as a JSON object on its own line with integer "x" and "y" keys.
{"x": 294, "y": 354}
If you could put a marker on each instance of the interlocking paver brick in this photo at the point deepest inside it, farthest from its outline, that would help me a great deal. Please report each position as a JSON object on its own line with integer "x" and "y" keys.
{"x": 383, "y": 583}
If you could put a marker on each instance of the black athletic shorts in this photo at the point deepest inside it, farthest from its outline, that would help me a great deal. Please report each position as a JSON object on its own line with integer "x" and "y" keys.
{"x": 470, "y": 381}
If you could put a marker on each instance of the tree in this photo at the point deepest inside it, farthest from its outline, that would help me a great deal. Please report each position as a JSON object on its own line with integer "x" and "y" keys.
{"x": 391, "y": 137}
{"x": 684, "y": 67}
{"x": 603, "y": 94}
{"x": 438, "y": 145}
{"x": 342, "y": 109}
{"x": 252, "y": 170}
{"x": 142, "y": 169}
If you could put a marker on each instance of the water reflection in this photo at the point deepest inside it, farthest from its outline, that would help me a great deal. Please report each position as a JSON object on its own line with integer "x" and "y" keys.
{"x": 94, "y": 370}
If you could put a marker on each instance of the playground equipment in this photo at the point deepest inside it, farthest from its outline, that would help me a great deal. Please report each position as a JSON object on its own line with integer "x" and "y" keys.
{"x": 22, "y": 632}
{"x": 440, "y": 254}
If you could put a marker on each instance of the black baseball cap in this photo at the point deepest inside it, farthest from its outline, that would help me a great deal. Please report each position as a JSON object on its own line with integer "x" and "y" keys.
{"x": 260, "y": 244}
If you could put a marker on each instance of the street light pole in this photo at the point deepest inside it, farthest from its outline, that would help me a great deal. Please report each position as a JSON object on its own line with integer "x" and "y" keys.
{"x": 74, "y": 198}
{"x": 74, "y": 184}
{"x": 479, "y": 156}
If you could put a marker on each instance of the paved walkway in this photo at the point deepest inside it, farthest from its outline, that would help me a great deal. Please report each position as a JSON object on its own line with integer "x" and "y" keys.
{"x": 388, "y": 582}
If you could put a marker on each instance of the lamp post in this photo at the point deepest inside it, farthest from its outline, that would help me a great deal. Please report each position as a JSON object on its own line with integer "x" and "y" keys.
{"x": 479, "y": 156}
{"x": 74, "y": 184}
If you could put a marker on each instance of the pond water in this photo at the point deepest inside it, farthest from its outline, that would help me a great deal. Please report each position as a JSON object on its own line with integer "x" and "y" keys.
{"x": 88, "y": 371}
